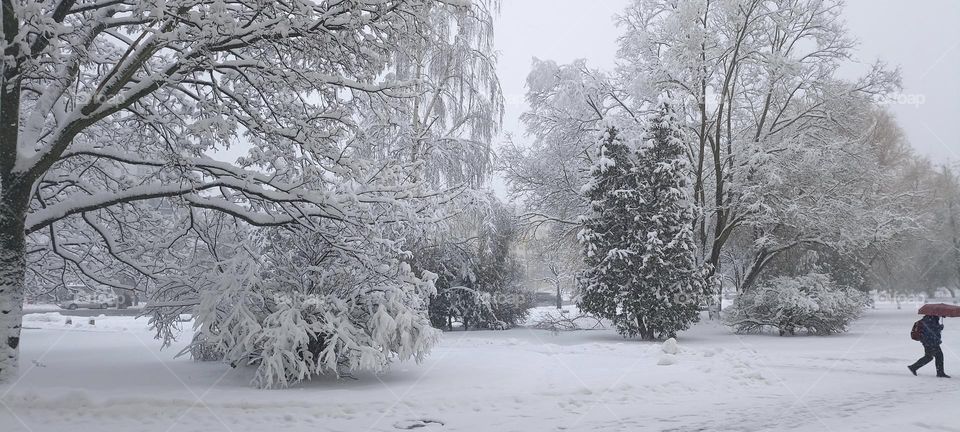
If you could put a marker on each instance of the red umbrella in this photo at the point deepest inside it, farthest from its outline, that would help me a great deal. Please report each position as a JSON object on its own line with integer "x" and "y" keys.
{"x": 940, "y": 310}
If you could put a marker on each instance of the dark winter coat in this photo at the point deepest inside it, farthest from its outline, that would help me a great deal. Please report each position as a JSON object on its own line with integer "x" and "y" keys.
{"x": 931, "y": 331}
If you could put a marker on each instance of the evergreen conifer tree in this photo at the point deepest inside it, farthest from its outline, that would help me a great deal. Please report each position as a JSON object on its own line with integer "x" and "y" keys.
{"x": 642, "y": 272}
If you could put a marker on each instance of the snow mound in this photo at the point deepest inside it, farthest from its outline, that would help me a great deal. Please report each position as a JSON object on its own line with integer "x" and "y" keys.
{"x": 60, "y": 321}
{"x": 670, "y": 346}
{"x": 710, "y": 352}
{"x": 43, "y": 317}
{"x": 667, "y": 360}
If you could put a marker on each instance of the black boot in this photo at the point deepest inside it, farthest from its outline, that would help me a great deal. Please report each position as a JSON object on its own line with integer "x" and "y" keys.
{"x": 942, "y": 375}
{"x": 912, "y": 370}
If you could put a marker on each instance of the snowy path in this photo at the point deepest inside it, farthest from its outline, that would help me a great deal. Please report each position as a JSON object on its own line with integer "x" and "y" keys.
{"x": 113, "y": 377}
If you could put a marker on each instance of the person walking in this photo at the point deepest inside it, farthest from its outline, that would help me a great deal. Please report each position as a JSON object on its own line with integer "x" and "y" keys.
{"x": 931, "y": 340}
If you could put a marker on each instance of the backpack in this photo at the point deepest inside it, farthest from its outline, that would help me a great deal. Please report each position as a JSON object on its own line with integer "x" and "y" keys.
{"x": 916, "y": 333}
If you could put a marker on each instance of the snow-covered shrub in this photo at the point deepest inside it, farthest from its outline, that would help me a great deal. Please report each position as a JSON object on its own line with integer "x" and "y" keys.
{"x": 812, "y": 303}
{"x": 295, "y": 308}
{"x": 511, "y": 306}
{"x": 477, "y": 295}
{"x": 201, "y": 350}
{"x": 465, "y": 305}
{"x": 478, "y": 274}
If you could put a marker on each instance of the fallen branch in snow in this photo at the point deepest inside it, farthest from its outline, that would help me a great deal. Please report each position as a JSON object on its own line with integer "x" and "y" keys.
{"x": 562, "y": 322}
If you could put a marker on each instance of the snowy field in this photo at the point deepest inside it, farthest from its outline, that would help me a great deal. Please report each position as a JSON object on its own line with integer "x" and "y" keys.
{"x": 113, "y": 377}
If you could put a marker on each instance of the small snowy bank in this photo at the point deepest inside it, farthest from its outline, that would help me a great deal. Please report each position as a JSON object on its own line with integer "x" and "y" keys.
{"x": 113, "y": 376}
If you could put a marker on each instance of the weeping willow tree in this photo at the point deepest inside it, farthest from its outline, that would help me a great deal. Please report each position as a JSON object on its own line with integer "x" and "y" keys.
{"x": 455, "y": 108}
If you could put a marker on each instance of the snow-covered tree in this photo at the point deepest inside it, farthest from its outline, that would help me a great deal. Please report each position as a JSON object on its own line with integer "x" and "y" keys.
{"x": 757, "y": 89}
{"x": 500, "y": 272}
{"x": 670, "y": 267}
{"x": 830, "y": 193}
{"x": 112, "y": 111}
{"x": 567, "y": 104}
{"x": 448, "y": 123}
{"x": 642, "y": 270}
{"x": 555, "y": 264}
{"x": 759, "y": 86}
{"x": 478, "y": 273}
{"x": 609, "y": 235}
{"x": 926, "y": 257}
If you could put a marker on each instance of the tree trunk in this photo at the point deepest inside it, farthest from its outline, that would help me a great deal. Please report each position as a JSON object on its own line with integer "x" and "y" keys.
{"x": 759, "y": 261}
{"x": 559, "y": 298}
{"x": 951, "y": 209}
{"x": 719, "y": 309}
{"x": 12, "y": 271}
{"x": 14, "y": 198}
{"x": 645, "y": 332}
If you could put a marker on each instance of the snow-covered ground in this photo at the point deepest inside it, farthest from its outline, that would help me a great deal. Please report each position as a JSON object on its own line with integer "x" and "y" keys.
{"x": 40, "y": 307}
{"x": 112, "y": 376}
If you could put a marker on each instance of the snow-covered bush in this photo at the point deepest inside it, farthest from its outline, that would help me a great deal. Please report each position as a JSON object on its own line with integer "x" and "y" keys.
{"x": 464, "y": 305}
{"x": 812, "y": 303}
{"x": 484, "y": 295}
{"x": 478, "y": 274}
{"x": 201, "y": 350}
{"x": 295, "y": 308}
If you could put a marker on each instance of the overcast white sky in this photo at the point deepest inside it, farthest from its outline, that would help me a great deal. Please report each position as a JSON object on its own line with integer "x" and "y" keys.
{"x": 922, "y": 37}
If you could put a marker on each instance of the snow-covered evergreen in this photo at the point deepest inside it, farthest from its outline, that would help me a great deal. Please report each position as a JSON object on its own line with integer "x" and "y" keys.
{"x": 642, "y": 271}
